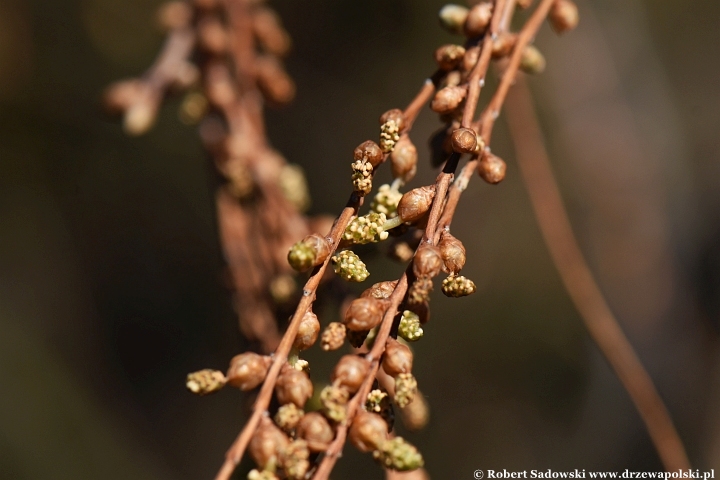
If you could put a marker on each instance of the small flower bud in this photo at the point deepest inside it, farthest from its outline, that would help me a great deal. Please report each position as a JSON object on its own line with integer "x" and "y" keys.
{"x": 374, "y": 400}
{"x": 452, "y": 17}
{"x": 333, "y": 336}
{"x": 419, "y": 292}
{"x": 465, "y": 140}
{"x": 293, "y": 386}
{"x": 316, "y": 431}
{"x": 428, "y": 261}
{"x": 396, "y": 115}
{"x": 404, "y": 159}
{"x": 452, "y": 252}
{"x": 397, "y": 454}
{"x": 386, "y": 200}
{"x": 470, "y": 59}
{"x": 401, "y": 251}
{"x": 282, "y": 287}
{"x": 308, "y": 331}
{"x": 308, "y": 253}
{"x": 389, "y": 135}
{"x": 362, "y": 177}
{"x": 370, "y": 152}
{"x": 357, "y": 338}
{"x": 397, "y": 359}
{"x": 349, "y": 266}
{"x": 448, "y": 99}
{"x": 247, "y": 370}
{"x": 405, "y": 388}
{"x": 273, "y": 81}
{"x": 294, "y": 186}
{"x": 368, "y": 431}
{"x": 458, "y": 286}
{"x": 334, "y": 399}
{"x": 449, "y": 57}
{"x": 267, "y": 443}
{"x": 478, "y": 19}
{"x": 364, "y": 314}
{"x": 288, "y": 416}
{"x": 532, "y": 61}
{"x": 270, "y": 33}
{"x": 294, "y": 459}
{"x": 416, "y": 414}
{"x": 380, "y": 290}
{"x": 205, "y": 381}
{"x": 415, "y": 203}
{"x": 503, "y": 44}
{"x": 563, "y": 16}
{"x": 491, "y": 168}
{"x": 350, "y": 372}
{"x": 409, "y": 328}
{"x": 366, "y": 229}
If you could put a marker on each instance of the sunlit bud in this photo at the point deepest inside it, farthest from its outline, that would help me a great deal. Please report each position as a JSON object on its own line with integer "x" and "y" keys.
{"x": 348, "y": 266}
{"x": 532, "y": 61}
{"x": 563, "y": 16}
{"x": 350, "y": 372}
{"x": 389, "y": 135}
{"x": 491, "y": 168}
{"x": 404, "y": 159}
{"x": 269, "y": 32}
{"x": 448, "y": 99}
{"x": 397, "y": 358}
{"x": 427, "y": 262}
{"x": 409, "y": 328}
{"x": 288, "y": 416}
{"x": 174, "y": 15}
{"x": 368, "y": 431}
{"x": 386, "y": 200}
{"x": 465, "y": 140}
{"x": 333, "y": 336}
{"x": 395, "y": 115}
{"x": 503, "y": 44}
{"x": 247, "y": 370}
{"x": 452, "y": 17}
{"x": 452, "y": 252}
{"x": 449, "y": 56}
{"x": 334, "y": 399}
{"x": 415, "y": 203}
{"x": 458, "y": 286}
{"x": 419, "y": 293}
{"x": 294, "y": 459}
{"x": 370, "y": 152}
{"x": 308, "y": 253}
{"x": 267, "y": 443}
{"x": 405, "y": 388}
{"x": 401, "y": 251}
{"x": 364, "y": 314}
{"x": 478, "y": 19}
{"x": 293, "y": 386}
{"x": 316, "y": 431}
{"x": 366, "y": 229}
{"x": 205, "y": 381}
{"x": 308, "y": 331}
{"x": 380, "y": 290}
{"x": 397, "y": 454}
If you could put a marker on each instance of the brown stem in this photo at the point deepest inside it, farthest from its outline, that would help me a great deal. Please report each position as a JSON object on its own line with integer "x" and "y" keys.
{"x": 599, "y": 320}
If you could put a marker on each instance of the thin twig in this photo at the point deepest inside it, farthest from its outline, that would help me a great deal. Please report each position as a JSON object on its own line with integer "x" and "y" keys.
{"x": 599, "y": 320}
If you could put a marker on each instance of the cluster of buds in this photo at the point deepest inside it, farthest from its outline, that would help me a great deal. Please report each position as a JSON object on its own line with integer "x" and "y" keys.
{"x": 366, "y": 229}
{"x": 386, "y": 201}
{"x": 348, "y": 266}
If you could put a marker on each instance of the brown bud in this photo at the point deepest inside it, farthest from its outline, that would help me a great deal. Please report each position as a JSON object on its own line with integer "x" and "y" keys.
{"x": 368, "y": 431}
{"x": 448, "y": 99}
{"x": 404, "y": 159}
{"x": 452, "y": 17}
{"x": 269, "y": 32}
{"x": 416, "y": 414}
{"x": 174, "y": 15}
{"x": 370, "y": 152}
{"x": 333, "y": 336}
{"x": 452, "y": 252}
{"x": 307, "y": 331}
{"x": 503, "y": 44}
{"x": 524, "y": 3}
{"x": 119, "y": 96}
{"x": 492, "y": 168}
{"x": 316, "y": 431}
{"x": 449, "y": 57}
{"x": 350, "y": 372}
{"x": 478, "y": 19}
{"x": 563, "y": 16}
{"x": 397, "y": 359}
{"x": 364, "y": 314}
{"x": 395, "y": 115}
{"x": 247, "y": 370}
{"x": 380, "y": 290}
{"x": 427, "y": 262}
{"x": 532, "y": 60}
{"x": 465, "y": 140}
{"x": 293, "y": 386}
{"x": 452, "y": 79}
{"x": 267, "y": 443}
{"x": 310, "y": 252}
{"x": 470, "y": 59}
{"x": 415, "y": 203}
{"x": 212, "y": 36}
{"x": 274, "y": 82}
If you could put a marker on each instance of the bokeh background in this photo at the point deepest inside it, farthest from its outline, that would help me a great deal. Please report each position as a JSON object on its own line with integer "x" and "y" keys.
{"x": 111, "y": 283}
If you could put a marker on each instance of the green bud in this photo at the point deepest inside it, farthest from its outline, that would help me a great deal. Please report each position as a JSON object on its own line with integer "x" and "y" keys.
{"x": 458, "y": 286}
{"x": 349, "y": 266}
{"x": 405, "y": 389}
{"x": 409, "y": 328}
{"x": 398, "y": 454}
{"x": 366, "y": 229}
